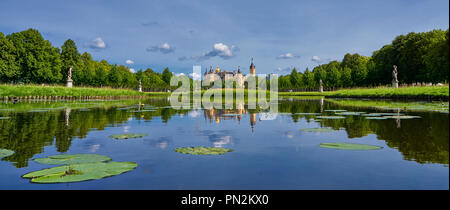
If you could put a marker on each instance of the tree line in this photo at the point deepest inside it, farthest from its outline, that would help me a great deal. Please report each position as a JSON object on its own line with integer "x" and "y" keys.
{"x": 27, "y": 58}
{"x": 420, "y": 57}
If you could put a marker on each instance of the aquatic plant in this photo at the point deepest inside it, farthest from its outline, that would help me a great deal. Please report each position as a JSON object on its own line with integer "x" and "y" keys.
{"x": 320, "y": 130}
{"x": 203, "y": 150}
{"x": 403, "y": 117}
{"x": 376, "y": 118}
{"x": 128, "y": 136}
{"x": 80, "y": 172}
{"x": 349, "y": 146}
{"x": 4, "y": 118}
{"x": 330, "y": 117}
{"x": 335, "y": 110}
{"x": 72, "y": 159}
{"x": 307, "y": 113}
{"x": 349, "y": 113}
{"x": 5, "y": 153}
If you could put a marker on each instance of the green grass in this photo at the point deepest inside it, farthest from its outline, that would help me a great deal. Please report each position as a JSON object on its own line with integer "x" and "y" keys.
{"x": 432, "y": 92}
{"x": 37, "y": 90}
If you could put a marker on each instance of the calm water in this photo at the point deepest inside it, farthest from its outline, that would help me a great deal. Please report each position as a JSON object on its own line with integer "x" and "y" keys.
{"x": 268, "y": 154}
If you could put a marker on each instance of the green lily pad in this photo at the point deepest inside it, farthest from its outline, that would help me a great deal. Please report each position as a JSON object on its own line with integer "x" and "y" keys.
{"x": 349, "y": 146}
{"x": 203, "y": 150}
{"x": 80, "y": 172}
{"x": 4, "y": 118}
{"x": 349, "y": 113}
{"x": 320, "y": 130}
{"x": 390, "y": 114}
{"x": 6, "y": 110}
{"x": 72, "y": 159}
{"x": 403, "y": 117}
{"x": 330, "y": 117}
{"x": 145, "y": 110}
{"x": 336, "y": 110}
{"x": 6, "y": 153}
{"x": 376, "y": 118}
{"x": 125, "y": 108}
{"x": 84, "y": 110}
{"x": 372, "y": 115}
{"x": 39, "y": 110}
{"x": 307, "y": 113}
{"x": 128, "y": 136}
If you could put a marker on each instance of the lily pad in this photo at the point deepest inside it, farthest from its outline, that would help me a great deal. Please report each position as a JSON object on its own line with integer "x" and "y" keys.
{"x": 80, "y": 172}
{"x": 403, "y": 117}
{"x": 336, "y": 110}
{"x": 4, "y": 118}
{"x": 330, "y": 117}
{"x": 145, "y": 110}
{"x": 349, "y": 113}
{"x": 203, "y": 150}
{"x": 349, "y": 146}
{"x": 72, "y": 159}
{"x": 125, "y": 108}
{"x": 372, "y": 115}
{"x": 320, "y": 130}
{"x": 307, "y": 113}
{"x": 128, "y": 136}
{"x": 39, "y": 110}
{"x": 6, "y": 153}
{"x": 376, "y": 118}
{"x": 6, "y": 110}
{"x": 390, "y": 114}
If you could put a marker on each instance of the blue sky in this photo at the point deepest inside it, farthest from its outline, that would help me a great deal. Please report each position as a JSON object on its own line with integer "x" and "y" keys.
{"x": 227, "y": 33}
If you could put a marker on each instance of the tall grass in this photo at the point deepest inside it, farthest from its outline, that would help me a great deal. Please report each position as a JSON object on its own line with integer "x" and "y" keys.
{"x": 434, "y": 92}
{"x": 37, "y": 90}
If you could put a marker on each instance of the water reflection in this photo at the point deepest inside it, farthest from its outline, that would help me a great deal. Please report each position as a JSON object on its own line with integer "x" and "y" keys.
{"x": 422, "y": 140}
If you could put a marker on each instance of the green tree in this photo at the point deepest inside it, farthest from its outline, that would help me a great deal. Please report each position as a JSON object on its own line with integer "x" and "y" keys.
{"x": 9, "y": 69}
{"x": 166, "y": 76}
{"x": 39, "y": 61}
{"x": 69, "y": 57}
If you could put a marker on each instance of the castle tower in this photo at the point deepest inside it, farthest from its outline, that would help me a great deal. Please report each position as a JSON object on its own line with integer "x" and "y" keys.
{"x": 252, "y": 69}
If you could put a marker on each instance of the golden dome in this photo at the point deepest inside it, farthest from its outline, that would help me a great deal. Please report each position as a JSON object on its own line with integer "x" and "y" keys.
{"x": 217, "y": 69}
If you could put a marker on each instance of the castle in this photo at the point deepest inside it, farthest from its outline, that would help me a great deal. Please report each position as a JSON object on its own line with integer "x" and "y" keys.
{"x": 236, "y": 74}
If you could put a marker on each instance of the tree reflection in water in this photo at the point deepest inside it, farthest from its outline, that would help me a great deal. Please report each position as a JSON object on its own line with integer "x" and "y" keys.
{"x": 423, "y": 140}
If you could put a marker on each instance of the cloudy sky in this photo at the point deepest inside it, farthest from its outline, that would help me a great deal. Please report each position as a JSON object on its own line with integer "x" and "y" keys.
{"x": 227, "y": 33}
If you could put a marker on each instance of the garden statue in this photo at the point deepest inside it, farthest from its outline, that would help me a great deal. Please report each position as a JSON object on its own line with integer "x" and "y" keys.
{"x": 320, "y": 86}
{"x": 394, "y": 77}
{"x": 140, "y": 86}
{"x": 69, "y": 77}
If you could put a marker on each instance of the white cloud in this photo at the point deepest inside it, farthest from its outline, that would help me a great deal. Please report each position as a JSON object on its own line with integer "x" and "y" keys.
{"x": 129, "y": 62}
{"x": 284, "y": 70}
{"x": 316, "y": 59}
{"x": 288, "y": 56}
{"x": 219, "y": 50}
{"x": 179, "y": 74}
{"x": 132, "y": 70}
{"x": 97, "y": 43}
{"x": 164, "y": 48}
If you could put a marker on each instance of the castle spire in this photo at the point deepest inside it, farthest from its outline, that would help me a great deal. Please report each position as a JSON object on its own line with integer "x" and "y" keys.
{"x": 252, "y": 68}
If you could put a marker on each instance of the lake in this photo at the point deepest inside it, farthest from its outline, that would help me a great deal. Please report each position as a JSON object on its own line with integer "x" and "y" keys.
{"x": 268, "y": 153}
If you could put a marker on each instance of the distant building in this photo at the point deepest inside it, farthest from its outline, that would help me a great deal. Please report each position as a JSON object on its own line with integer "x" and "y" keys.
{"x": 237, "y": 75}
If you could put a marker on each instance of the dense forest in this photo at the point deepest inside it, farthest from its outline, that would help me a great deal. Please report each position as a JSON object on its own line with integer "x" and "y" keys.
{"x": 26, "y": 57}
{"x": 420, "y": 57}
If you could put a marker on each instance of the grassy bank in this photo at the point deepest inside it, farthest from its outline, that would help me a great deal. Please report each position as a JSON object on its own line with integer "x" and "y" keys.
{"x": 37, "y": 90}
{"x": 432, "y": 92}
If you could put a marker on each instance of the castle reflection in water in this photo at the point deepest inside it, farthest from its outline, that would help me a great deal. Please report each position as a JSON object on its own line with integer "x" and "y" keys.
{"x": 216, "y": 115}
